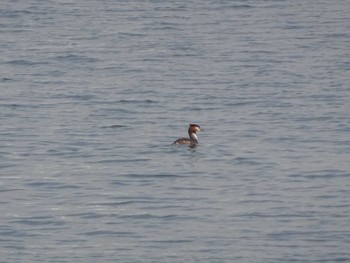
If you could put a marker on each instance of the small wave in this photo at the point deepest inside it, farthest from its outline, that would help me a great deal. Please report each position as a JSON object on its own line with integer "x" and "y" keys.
{"x": 114, "y": 126}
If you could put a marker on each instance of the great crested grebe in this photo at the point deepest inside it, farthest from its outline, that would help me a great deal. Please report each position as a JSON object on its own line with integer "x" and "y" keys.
{"x": 193, "y": 139}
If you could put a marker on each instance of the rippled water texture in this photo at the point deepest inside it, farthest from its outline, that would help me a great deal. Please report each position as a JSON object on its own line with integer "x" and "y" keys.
{"x": 93, "y": 93}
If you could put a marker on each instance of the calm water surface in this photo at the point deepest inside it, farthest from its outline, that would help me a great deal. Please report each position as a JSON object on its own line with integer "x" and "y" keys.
{"x": 94, "y": 92}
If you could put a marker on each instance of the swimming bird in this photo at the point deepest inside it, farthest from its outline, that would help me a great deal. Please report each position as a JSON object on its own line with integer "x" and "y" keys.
{"x": 192, "y": 133}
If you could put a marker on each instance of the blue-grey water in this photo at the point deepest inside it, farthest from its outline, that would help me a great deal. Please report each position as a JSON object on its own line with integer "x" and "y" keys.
{"x": 93, "y": 93}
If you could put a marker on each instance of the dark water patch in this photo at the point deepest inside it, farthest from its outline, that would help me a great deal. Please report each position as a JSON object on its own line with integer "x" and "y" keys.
{"x": 130, "y": 34}
{"x": 4, "y": 79}
{"x": 336, "y": 258}
{"x": 165, "y": 27}
{"x": 117, "y": 111}
{"x": 51, "y": 185}
{"x": 13, "y": 247}
{"x": 114, "y": 203}
{"x": 156, "y": 175}
{"x": 6, "y": 13}
{"x": 114, "y": 126}
{"x": 133, "y": 101}
{"x": 22, "y": 62}
{"x": 85, "y": 215}
{"x": 18, "y": 30}
{"x": 337, "y": 206}
{"x": 77, "y": 58}
{"x": 33, "y": 105}
{"x": 110, "y": 233}
{"x": 39, "y": 221}
{"x": 172, "y": 241}
{"x": 243, "y": 102}
{"x": 148, "y": 216}
{"x": 237, "y": 6}
{"x": 6, "y": 232}
{"x": 188, "y": 188}
{"x": 134, "y": 199}
{"x": 6, "y": 165}
{"x": 262, "y": 201}
{"x": 322, "y": 174}
{"x": 71, "y": 95}
{"x": 276, "y": 216}
{"x": 118, "y": 160}
{"x": 248, "y": 161}
{"x": 312, "y": 235}
{"x": 8, "y": 189}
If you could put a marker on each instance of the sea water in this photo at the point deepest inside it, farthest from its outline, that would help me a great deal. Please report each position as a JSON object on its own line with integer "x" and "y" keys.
{"x": 93, "y": 93}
